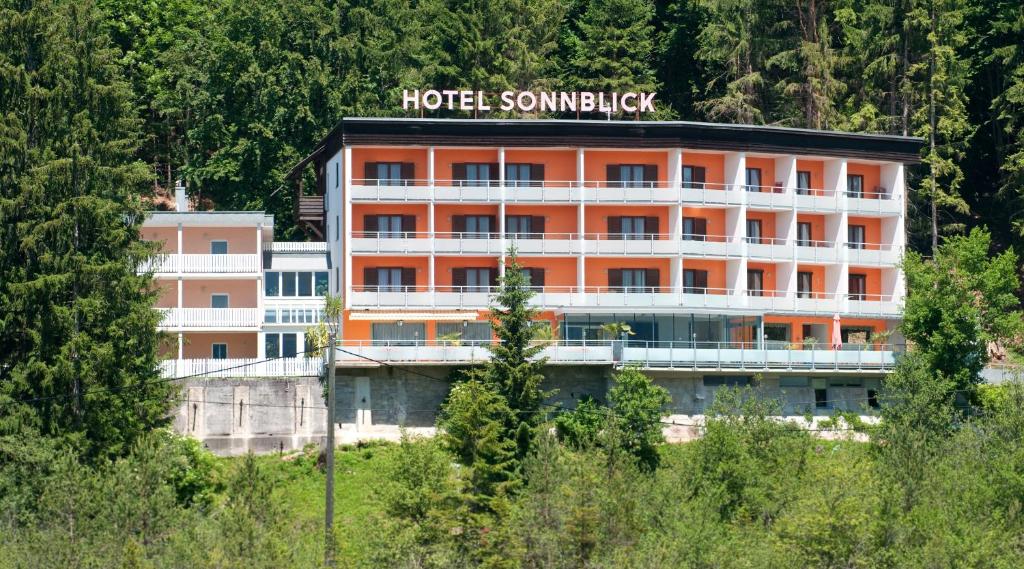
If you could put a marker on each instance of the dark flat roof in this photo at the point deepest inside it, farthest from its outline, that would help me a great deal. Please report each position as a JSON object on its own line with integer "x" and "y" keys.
{"x": 618, "y": 134}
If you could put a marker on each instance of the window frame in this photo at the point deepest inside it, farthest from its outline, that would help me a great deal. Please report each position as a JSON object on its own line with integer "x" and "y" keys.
{"x": 214, "y": 242}
{"x": 224, "y": 295}
{"x": 213, "y": 351}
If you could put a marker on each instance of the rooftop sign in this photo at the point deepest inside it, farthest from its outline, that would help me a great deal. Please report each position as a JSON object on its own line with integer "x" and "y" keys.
{"x": 528, "y": 101}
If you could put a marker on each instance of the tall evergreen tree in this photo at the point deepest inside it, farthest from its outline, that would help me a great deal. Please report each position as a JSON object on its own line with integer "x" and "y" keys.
{"x": 78, "y": 334}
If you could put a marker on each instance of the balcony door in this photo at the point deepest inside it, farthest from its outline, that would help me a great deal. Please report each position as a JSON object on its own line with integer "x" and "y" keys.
{"x": 633, "y": 227}
{"x": 389, "y": 279}
{"x": 474, "y": 279}
{"x": 753, "y": 179}
{"x": 695, "y": 281}
{"x": 524, "y": 226}
{"x": 632, "y": 175}
{"x": 693, "y": 177}
{"x": 695, "y": 229}
{"x": 389, "y": 173}
{"x": 855, "y": 186}
{"x": 803, "y": 233}
{"x": 858, "y": 286}
{"x": 855, "y": 237}
{"x": 755, "y": 282}
{"x": 524, "y": 175}
{"x": 474, "y": 226}
{"x": 804, "y": 286}
{"x": 754, "y": 231}
{"x": 389, "y": 226}
{"x": 475, "y": 174}
{"x": 803, "y": 182}
{"x": 633, "y": 280}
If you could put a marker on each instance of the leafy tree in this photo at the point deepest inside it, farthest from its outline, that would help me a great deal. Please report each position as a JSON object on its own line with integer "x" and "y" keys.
{"x": 581, "y": 427}
{"x": 637, "y": 406}
{"x": 958, "y": 303}
{"x": 77, "y": 331}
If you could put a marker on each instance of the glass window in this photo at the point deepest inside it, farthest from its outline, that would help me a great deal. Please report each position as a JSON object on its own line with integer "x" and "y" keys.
{"x": 305, "y": 283}
{"x": 288, "y": 343}
{"x": 695, "y": 281}
{"x": 397, "y": 333}
{"x": 389, "y": 226}
{"x": 633, "y": 227}
{"x": 855, "y": 185}
{"x": 270, "y": 315}
{"x": 272, "y": 345}
{"x": 389, "y": 173}
{"x": 858, "y": 286}
{"x": 803, "y": 234}
{"x": 320, "y": 283}
{"x": 753, "y": 179}
{"x": 478, "y": 174}
{"x": 520, "y": 226}
{"x": 465, "y": 333}
{"x": 218, "y": 301}
{"x": 631, "y": 175}
{"x": 803, "y": 182}
{"x": 218, "y": 247}
{"x": 755, "y": 282}
{"x": 855, "y": 237}
{"x": 804, "y": 289}
{"x": 272, "y": 283}
{"x": 695, "y": 229}
{"x": 219, "y": 351}
{"x": 478, "y": 280}
{"x": 389, "y": 279}
{"x": 288, "y": 283}
{"x": 691, "y": 178}
{"x": 634, "y": 280}
{"x": 753, "y": 231}
{"x": 518, "y": 175}
{"x": 478, "y": 226}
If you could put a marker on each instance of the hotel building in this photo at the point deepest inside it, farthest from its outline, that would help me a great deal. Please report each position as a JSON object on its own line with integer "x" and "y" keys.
{"x": 730, "y": 250}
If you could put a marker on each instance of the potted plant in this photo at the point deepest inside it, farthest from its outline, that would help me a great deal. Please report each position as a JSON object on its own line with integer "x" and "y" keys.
{"x": 617, "y": 332}
{"x": 453, "y": 339}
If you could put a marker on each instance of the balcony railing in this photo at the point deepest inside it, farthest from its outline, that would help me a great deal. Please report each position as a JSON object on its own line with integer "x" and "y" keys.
{"x": 189, "y": 263}
{"x": 632, "y": 297}
{"x": 698, "y": 355}
{"x": 213, "y": 318}
{"x": 241, "y": 367}
{"x": 296, "y": 247}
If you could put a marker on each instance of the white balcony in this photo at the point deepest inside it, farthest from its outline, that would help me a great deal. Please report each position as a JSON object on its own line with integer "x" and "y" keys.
{"x": 872, "y": 254}
{"x": 395, "y": 244}
{"x": 876, "y": 204}
{"x": 211, "y": 318}
{"x": 699, "y": 356}
{"x": 196, "y": 264}
{"x": 710, "y": 194}
{"x": 396, "y": 191}
{"x": 768, "y": 197}
{"x": 605, "y": 298}
{"x": 241, "y": 367}
{"x": 301, "y": 247}
{"x": 818, "y": 252}
{"x": 816, "y": 200}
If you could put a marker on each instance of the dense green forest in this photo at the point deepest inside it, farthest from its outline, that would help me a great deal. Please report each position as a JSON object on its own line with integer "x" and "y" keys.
{"x": 231, "y": 93}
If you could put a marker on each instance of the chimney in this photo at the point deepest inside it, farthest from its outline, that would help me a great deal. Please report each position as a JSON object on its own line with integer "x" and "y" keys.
{"x": 180, "y": 201}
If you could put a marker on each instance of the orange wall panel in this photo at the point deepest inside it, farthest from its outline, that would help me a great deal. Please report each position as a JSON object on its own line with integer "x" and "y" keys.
{"x": 360, "y": 156}
{"x": 817, "y": 170}
{"x": 715, "y": 217}
{"x": 872, "y": 174}
{"x": 559, "y": 165}
{"x": 240, "y": 344}
{"x": 767, "y": 223}
{"x": 167, "y": 291}
{"x": 240, "y": 239}
{"x": 597, "y": 269}
{"x": 817, "y": 276}
{"x": 767, "y": 166}
{"x": 558, "y": 271}
{"x": 419, "y": 263}
{"x": 241, "y": 293}
{"x": 770, "y": 274}
{"x": 716, "y": 272}
{"x": 443, "y": 214}
{"x": 165, "y": 237}
{"x": 872, "y": 229}
{"x": 713, "y": 164}
{"x": 796, "y": 324}
{"x": 817, "y": 225}
{"x": 873, "y": 280}
{"x": 445, "y": 157}
{"x": 557, "y": 218}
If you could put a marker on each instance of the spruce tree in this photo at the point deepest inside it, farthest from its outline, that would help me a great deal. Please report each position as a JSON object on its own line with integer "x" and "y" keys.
{"x": 78, "y": 336}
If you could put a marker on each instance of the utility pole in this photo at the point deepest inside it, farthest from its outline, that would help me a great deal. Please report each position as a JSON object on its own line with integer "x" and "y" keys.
{"x": 333, "y": 323}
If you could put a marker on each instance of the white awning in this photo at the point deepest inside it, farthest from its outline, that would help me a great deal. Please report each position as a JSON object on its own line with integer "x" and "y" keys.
{"x": 414, "y": 316}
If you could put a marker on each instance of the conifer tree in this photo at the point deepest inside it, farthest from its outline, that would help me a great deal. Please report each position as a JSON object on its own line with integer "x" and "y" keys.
{"x": 78, "y": 336}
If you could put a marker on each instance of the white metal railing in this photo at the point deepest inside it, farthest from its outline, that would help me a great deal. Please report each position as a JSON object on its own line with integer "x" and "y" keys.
{"x": 241, "y": 367}
{"x": 211, "y": 318}
{"x": 296, "y": 247}
{"x": 561, "y": 297}
{"x": 194, "y": 263}
{"x": 697, "y": 355}
{"x": 293, "y": 313}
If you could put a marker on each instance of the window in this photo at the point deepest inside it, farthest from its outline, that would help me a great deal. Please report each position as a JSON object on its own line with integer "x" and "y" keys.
{"x": 693, "y": 177}
{"x": 695, "y": 281}
{"x": 465, "y": 333}
{"x": 534, "y": 277}
{"x": 634, "y": 280}
{"x": 288, "y": 345}
{"x": 305, "y": 283}
{"x": 477, "y": 175}
{"x": 522, "y": 175}
{"x": 320, "y": 283}
{"x": 218, "y": 301}
{"x": 519, "y": 226}
{"x": 272, "y": 345}
{"x": 219, "y": 351}
{"x": 473, "y": 226}
{"x": 776, "y": 334}
{"x": 633, "y": 227}
{"x": 695, "y": 229}
{"x": 855, "y": 185}
{"x": 755, "y": 282}
{"x": 803, "y": 234}
{"x": 753, "y": 179}
{"x": 632, "y": 175}
{"x": 803, "y": 182}
{"x": 388, "y": 279}
{"x": 753, "y": 231}
{"x": 270, "y": 315}
{"x": 478, "y": 280}
{"x": 804, "y": 287}
{"x": 272, "y": 283}
{"x": 388, "y": 226}
{"x": 855, "y": 237}
{"x": 821, "y": 398}
{"x": 218, "y": 247}
{"x": 398, "y": 333}
{"x": 858, "y": 286}
{"x": 288, "y": 283}
{"x": 337, "y": 174}
{"x": 388, "y": 173}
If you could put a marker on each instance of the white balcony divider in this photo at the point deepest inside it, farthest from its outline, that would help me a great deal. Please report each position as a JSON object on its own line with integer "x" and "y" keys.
{"x": 194, "y": 263}
{"x": 241, "y": 367}
{"x": 211, "y": 318}
{"x": 296, "y": 247}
